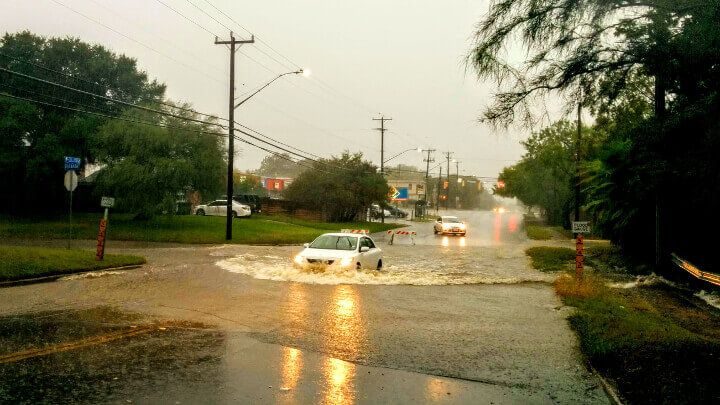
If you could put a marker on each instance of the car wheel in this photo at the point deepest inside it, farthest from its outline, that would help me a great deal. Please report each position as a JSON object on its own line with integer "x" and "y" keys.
{"x": 358, "y": 266}
{"x": 379, "y": 266}
{"x": 234, "y": 214}
{"x": 435, "y": 231}
{"x": 200, "y": 212}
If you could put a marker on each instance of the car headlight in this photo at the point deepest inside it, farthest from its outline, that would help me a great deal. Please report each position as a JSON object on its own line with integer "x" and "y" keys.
{"x": 445, "y": 226}
{"x": 346, "y": 260}
{"x": 299, "y": 259}
{"x": 463, "y": 226}
{"x": 501, "y": 210}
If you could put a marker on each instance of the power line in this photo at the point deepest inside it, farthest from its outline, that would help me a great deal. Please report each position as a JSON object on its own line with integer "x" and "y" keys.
{"x": 125, "y": 103}
{"x": 130, "y": 38}
{"x": 101, "y": 87}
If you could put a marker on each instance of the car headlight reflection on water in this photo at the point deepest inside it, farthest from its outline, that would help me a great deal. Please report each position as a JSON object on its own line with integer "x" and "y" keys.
{"x": 299, "y": 259}
{"x": 346, "y": 260}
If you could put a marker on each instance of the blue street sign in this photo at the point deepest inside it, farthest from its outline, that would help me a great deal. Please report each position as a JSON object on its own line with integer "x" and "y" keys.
{"x": 72, "y": 163}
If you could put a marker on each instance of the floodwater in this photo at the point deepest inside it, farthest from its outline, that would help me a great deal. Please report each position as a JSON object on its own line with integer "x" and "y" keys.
{"x": 492, "y": 252}
{"x": 449, "y": 320}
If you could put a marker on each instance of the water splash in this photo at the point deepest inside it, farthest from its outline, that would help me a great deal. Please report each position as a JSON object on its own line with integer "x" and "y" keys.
{"x": 280, "y": 269}
{"x": 643, "y": 281}
{"x": 711, "y": 298}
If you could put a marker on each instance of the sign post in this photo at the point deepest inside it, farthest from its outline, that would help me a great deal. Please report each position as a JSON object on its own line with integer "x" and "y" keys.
{"x": 71, "y": 182}
{"x": 105, "y": 202}
{"x": 579, "y": 228}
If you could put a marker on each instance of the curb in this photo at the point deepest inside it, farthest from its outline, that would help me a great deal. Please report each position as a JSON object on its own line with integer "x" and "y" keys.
{"x": 54, "y": 277}
{"x": 607, "y": 387}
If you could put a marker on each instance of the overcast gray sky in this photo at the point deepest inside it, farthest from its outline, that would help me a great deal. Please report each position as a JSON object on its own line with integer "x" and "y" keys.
{"x": 401, "y": 58}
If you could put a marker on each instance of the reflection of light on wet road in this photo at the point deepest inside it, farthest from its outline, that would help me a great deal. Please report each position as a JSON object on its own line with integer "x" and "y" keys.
{"x": 345, "y": 330}
{"x": 512, "y": 224}
{"x": 339, "y": 377}
{"x": 498, "y": 224}
{"x": 445, "y": 241}
{"x": 463, "y": 242}
{"x": 295, "y": 309}
{"x": 291, "y": 367}
{"x": 435, "y": 389}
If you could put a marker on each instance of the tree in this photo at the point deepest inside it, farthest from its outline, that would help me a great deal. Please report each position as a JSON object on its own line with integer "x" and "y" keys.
{"x": 55, "y": 132}
{"x": 148, "y": 168}
{"x": 574, "y": 45}
{"x": 545, "y": 177}
{"x": 344, "y": 187}
{"x": 248, "y": 184}
{"x": 281, "y": 165}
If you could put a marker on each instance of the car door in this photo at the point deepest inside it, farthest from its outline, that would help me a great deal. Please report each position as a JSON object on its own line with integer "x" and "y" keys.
{"x": 370, "y": 258}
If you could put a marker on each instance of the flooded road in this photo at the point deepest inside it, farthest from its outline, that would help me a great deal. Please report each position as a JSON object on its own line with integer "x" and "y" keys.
{"x": 449, "y": 320}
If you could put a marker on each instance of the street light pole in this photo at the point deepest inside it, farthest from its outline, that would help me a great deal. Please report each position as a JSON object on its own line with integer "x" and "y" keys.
{"x": 427, "y": 172}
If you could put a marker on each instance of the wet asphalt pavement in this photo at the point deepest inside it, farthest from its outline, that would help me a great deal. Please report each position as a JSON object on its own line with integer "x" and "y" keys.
{"x": 449, "y": 320}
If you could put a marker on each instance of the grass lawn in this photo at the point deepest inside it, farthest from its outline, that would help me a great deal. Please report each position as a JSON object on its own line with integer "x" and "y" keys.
{"x": 17, "y": 262}
{"x": 658, "y": 344}
{"x": 538, "y": 232}
{"x": 180, "y": 229}
{"x": 545, "y": 258}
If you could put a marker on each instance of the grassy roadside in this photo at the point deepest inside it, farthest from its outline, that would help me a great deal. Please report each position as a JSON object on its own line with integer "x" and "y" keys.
{"x": 180, "y": 229}
{"x": 656, "y": 342}
{"x": 18, "y": 262}
{"x": 536, "y": 232}
{"x": 546, "y": 258}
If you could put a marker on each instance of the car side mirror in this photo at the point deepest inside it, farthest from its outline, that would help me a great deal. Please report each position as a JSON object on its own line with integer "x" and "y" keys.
{"x": 364, "y": 249}
{"x": 307, "y": 245}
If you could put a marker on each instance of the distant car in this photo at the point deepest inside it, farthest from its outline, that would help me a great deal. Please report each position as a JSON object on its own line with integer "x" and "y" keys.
{"x": 341, "y": 250}
{"x": 219, "y": 208}
{"x": 251, "y": 200}
{"x": 375, "y": 212}
{"x": 448, "y": 224}
{"x": 499, "y": 210}
{"x": 397, "y": 212}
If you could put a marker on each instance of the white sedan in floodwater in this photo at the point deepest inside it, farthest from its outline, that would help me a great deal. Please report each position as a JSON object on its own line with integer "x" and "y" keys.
{"x": 345, "y": 250}
{"x": 219, "y": 207}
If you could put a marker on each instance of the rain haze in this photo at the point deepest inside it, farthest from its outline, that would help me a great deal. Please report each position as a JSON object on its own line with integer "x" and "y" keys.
{"x": 403, "y": 59}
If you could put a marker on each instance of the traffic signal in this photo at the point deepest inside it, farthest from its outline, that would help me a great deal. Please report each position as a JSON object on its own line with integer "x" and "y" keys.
{"x": 445, "y": 184}
{"x": 500, "y": 184}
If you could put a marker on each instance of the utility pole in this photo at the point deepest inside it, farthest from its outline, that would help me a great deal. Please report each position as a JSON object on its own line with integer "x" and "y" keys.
{"x": 577, "y": 162}
{"x": 427, "y": 172}
{"x": 382, "y": 130}
{"x": 457, "y": 181}
{"x": 231, "y": 129}
{"x": 437, "y": 202}
{"x": 447, "y": 156}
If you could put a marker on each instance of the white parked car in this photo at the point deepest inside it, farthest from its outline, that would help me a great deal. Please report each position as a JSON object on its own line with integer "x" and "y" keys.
{"x": 448, "y": 224}
{"x": 346, "y": 250}
{"x": 219, "y": 208}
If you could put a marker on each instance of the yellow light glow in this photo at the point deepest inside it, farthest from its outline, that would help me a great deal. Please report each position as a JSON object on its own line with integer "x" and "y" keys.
{"x": 299, "y": 259}
{"x": 445, "y": 241}
{"x": 291, "y": 367}
{"x": 306, "y": 72}
{"x": 339, "y": 377}
{"x": 346, "y": 260}
{"x": 501, "y": 210}
{"x": 463, "y": 242}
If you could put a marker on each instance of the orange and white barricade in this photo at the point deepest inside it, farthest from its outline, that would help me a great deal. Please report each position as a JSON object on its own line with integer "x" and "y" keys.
{"x": 392, "y": 234}
{"x": 360, "y": 231}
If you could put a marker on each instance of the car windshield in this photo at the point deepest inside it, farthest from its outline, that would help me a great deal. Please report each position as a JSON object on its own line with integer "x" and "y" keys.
{"x": 335, "y": 242}
{"x": 451, "y": 219}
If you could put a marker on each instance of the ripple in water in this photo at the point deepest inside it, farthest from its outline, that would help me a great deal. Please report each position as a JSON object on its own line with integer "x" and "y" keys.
{"x": 279, "y": 269}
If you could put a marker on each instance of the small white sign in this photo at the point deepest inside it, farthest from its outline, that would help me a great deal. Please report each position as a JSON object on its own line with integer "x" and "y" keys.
{"x": 71, "y": 180}
{"x": 107, "y": 202}
{"x": 581, "y": 227}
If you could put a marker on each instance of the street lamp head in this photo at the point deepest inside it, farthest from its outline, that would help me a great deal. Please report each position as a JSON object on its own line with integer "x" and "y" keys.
{"x": 304, "y": 72}
{"x": 420, "y": 149}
